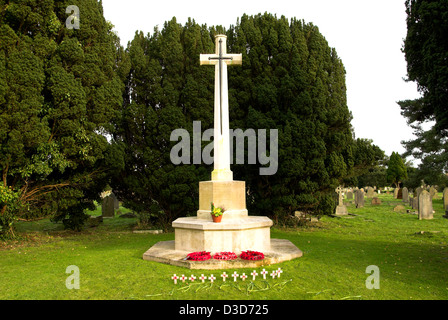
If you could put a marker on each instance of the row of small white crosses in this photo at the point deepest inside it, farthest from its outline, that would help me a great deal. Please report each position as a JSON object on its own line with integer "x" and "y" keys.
{"x": 235, "y": 276}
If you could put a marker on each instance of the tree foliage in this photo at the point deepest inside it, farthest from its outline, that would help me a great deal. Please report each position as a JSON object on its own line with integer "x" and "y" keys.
{"x": 426, "y": 52}
{"x": 290, "y": 80}
{"x": 59, "y": 89}
{"x": 396, "y": 170}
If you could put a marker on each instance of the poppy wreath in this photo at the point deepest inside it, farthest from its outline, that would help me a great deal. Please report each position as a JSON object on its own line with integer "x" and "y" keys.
{"x": 199, "y": 256}
{"x": 251, "y": 255}
{"x": 225, "y": 256}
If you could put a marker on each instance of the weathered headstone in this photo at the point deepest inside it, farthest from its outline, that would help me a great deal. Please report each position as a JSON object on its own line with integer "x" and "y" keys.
{"x": 376, "y": 201}
{"x": 341, "y": 209}
{"x": 108, "y": 207}
{"x": 405, "y": 194}
{"x": 445, "y": 199}
{"x": 400, "y": 193}
{"x": 425, "y": 206}
{"x": 433, "y": 192}
{"x": 349, "y": 195}
{"x": 417, "y": 193}
{"x": 370, "y": 192}
{"x": 359, "y": 198}
{"x": 399, "y": 208}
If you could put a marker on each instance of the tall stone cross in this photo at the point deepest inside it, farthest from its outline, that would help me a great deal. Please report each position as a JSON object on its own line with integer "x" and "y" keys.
{"x": 221, "y": 59}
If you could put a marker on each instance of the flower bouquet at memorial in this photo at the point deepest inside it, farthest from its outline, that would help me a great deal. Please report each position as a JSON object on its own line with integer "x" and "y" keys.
{"x": 217, "y": 213}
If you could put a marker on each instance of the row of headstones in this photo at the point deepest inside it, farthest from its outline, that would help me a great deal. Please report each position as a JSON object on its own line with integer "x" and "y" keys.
{"x": 422, "y": 200}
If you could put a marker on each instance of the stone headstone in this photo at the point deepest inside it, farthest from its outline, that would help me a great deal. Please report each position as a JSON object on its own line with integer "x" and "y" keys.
{"x": 376, "y": 201}
{"x": 370, "y": 192}
{"x": 445, "y": 199}
{"x": 405, "y": 194}
{"x": 349, "y": 195}
{"x": 400, "y": 194}
{"x": 359, "y": 198}
{"x": 399, "y": 208}
{"x": 425, "y": 206}
{"x": 108, "y": 207}
{"x": 417, "y": 193}
{"x": 433, "y": 193}
{"x": 341, "y": 209}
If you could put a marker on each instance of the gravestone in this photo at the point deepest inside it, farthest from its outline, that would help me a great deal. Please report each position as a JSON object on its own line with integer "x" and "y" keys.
{"x": 399, "y": 208}
{"x": 341, "y": 209}
{"x": 108, "y": 207}
{"x": 370, "y": 192}
{"x": 349, "y": 195}
{"x": 405, "y": 194}
{"x": 400, "y": 193}
{"x": 376, "y": 201}
{"x": 425, "y": 206}
{"x": 359, "y": 198}
{"x": 445, "y": 199}
{"x": 433, "y": 192}
{"x": 417, "y": 193}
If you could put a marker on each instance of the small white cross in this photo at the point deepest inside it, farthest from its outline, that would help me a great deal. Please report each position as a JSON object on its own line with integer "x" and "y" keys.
{"x": 174, "y": 277}
{"x": 254, "y": 274}
{"x": 202, "y": 278}
{"x": 212, "y": 278}
{"x": 235, "y": 275}
{"x": 192, "y": 278}
{"x": 264, "y": 273}
{"x": 183, "y": 278}
{"x": 224, "y": 276}
{"x": 243, "y": 276}
{"x": 279, "y": 272}
{"x": 273, "y": 274}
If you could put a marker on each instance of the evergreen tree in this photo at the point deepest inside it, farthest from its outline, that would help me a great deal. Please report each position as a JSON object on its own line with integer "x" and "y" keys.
{"x": 60, "y": 88}
{"x": 426, "y": 52}
{"x": 396, "y": 170}
{"x": 291, "y": 80}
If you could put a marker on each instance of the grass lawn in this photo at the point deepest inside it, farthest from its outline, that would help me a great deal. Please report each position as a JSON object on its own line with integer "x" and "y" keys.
{"x": 337, "y": 251}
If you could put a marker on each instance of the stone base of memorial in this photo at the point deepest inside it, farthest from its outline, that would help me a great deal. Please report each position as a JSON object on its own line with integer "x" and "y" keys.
{"x": 164, "y": 252}
{"x": 237, "y": 232}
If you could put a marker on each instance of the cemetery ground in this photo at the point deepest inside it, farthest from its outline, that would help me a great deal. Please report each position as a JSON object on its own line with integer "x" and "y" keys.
{"x": 412, "y": 257}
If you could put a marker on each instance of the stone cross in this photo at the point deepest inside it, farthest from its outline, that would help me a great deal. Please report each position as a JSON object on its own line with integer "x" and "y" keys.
{"x": 339, "y": 191}
{"x": 221, "y": 59}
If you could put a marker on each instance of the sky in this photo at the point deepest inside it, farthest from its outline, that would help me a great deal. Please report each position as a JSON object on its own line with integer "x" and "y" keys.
{"x": 367, "y": 35}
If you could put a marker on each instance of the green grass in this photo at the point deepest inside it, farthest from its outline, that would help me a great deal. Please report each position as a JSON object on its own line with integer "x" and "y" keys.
{"x": 337, "y": 252}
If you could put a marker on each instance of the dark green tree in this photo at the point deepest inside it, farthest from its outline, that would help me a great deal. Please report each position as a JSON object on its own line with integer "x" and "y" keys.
{"x": 291, "y": 80}
{"x": 426, "y": 52}
{"x": 59, "y": 89}
{"x": 396, "y": 170}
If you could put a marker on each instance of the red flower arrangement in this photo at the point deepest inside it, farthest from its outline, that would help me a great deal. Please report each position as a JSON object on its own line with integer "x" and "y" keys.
{"x": 251, "y": 255}
{"x": 199, "y": 256}
{"x": 245, "y": 255}
{"x": 225, "y": 256}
